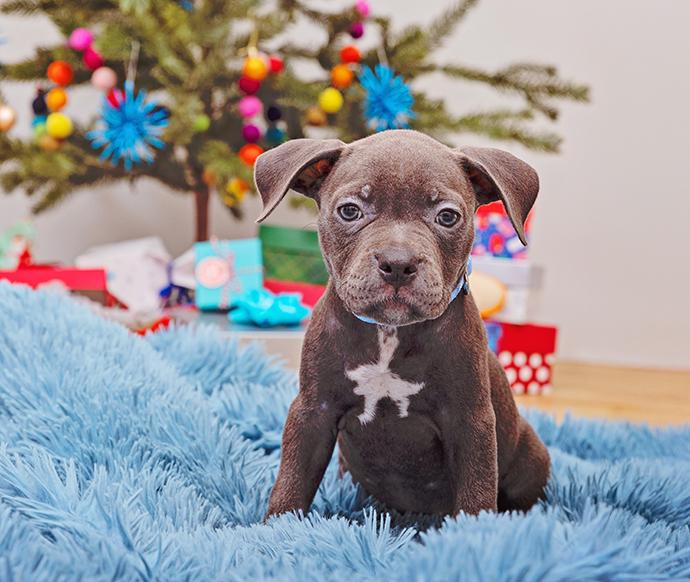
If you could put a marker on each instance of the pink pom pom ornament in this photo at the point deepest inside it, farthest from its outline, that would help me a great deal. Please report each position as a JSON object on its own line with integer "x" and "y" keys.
{"x": 362, "y": 8}
{"x": 250, "y": 106}
{"x": 80, "y": 39}
{"x": 251, "y": 133}
{"x": 357, "y": 30}
{"x": 104, "y": 79}
{"x": 92, "y": 59}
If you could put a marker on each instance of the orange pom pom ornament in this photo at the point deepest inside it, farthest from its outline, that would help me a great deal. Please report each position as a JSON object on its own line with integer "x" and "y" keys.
{"x": 56, "y": 99}
{"x": 60, "y": 73}
{"x": 249, "y": 152}
{"x": 341, "y": 76}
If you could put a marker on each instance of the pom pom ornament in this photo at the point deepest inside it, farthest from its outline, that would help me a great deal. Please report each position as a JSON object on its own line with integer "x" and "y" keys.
{"x": 201, "y": 122}
{"x": 59, "y": 126}
{"x": 209, "y": 177}
{"x": 273, "y": 113}
{"x": 116, "y": 97}
{"x": 350, "y": 54}
{"x": 388, "y": 102}
{"x": 38, "y": 124}
{"x": 341, "y": 76}
{"x": 316, "y": 117}
{"x": 48, "y": 143}
{"x": 250, "y": 106}
{"x": 251, "y": 133}
{"x": 130, "y": 131}
{"x": 60, "y": 73}
{"x": 92, "y": 59}
{"x": 362, "y": 8}
{"x": 255, "y": 68}
{"x": 248, "y": 86}
{"x": 80, "y": 39}
{"x": 39, "y": 105}
{"x": 104, "y": 79}
{"x": 235, "y": 192}
{"x": 275, "y": 136}
{"x": 357, "y": 30}
{"x": 275, "y": 64}
{"x": 56, "y": 99}
{"x": 8, "y": 117}
{"x": 249, "y": 152}
{"x": 331, "y": 100}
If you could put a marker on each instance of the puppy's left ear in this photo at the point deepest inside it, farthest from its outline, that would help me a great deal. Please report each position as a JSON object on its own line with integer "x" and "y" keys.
{"x": 300, "y": 164}
{"x": 498, "y": 175}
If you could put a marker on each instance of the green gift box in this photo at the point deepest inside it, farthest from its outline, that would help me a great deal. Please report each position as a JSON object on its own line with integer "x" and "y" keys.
{"x": 292, "y": 254}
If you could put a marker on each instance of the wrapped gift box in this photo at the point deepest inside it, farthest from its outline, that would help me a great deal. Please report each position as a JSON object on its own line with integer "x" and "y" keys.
{"x": 292, "y": 254}
{"x": 494, "y": 234}
{"x": 522, "y": 280}
{"x": 90, "y": 283}
{"x": 137, "y": 271}
{"x": 310, "y": 293}
{"x": 527, "y": 353}
{"x": 224, "y": 268}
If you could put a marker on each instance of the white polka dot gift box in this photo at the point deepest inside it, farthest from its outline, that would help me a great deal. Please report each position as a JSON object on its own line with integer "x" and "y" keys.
{"x": 526, "y": 353}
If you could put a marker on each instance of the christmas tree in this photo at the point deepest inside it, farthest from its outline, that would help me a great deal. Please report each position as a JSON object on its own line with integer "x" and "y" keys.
{"x": 195, "y": 89}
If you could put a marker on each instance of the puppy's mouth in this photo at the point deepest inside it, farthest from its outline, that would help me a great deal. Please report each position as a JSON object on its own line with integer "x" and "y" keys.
{"x": 396, "y": 308}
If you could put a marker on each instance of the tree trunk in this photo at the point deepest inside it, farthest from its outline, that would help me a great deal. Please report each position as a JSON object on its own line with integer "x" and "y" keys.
{"x": 201, "y": 199}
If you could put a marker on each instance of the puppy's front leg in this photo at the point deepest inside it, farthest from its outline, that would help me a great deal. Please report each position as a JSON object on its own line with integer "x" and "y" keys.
{"x": 308, "y": 442}
{"x": 472, "y": 455}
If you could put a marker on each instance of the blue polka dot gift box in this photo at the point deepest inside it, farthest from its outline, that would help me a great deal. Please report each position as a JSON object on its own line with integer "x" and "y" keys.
{"x": 225, "y": 269}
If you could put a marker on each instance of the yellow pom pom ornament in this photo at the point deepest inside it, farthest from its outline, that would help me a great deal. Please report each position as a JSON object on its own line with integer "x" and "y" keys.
{"x": 331, "y": 100}
{"x": 59, "y": 125}
{"x": 255, "y": 68}
{"x": 235, "y": 191}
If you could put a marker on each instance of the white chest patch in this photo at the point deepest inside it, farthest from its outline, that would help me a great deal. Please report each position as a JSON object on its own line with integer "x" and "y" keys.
{"x": 375, "y": 381}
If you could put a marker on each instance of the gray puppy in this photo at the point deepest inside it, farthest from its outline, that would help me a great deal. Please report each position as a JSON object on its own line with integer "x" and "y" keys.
{"x": 395, "y": 364}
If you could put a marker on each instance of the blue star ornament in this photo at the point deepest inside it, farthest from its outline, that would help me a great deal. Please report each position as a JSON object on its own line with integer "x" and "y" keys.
{"x": 131, "y": 130}
{"x": 388, "y": 102}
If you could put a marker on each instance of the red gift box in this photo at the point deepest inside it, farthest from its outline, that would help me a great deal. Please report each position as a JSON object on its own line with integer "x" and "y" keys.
{"x": 88, "y": 282}
{"x": 527, "y": 353}
{"x": 311, "y": 293}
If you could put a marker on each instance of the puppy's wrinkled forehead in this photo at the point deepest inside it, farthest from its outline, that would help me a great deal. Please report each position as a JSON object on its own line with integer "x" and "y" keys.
{"x": 396, "y": 175}
{"x": 398, "y": 167}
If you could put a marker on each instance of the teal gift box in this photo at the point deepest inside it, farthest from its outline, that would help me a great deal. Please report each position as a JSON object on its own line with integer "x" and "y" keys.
{"x": 225, "y": 268}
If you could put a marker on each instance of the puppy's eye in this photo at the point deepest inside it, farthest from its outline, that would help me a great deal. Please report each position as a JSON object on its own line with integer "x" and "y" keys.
{"x": 350, "y": 212}
{"x": 447, "y": 218}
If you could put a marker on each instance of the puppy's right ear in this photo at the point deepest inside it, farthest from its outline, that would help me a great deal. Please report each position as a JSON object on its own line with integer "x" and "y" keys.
{"x": 300, "y": 164}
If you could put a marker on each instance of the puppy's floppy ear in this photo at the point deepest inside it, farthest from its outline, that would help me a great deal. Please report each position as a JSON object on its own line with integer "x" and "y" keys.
{"x": 300, "y": 164}
{"x": 498, "y": 175}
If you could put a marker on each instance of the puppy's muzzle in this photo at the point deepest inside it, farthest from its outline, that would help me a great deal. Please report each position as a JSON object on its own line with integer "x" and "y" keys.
{"x": 397, "y": 266}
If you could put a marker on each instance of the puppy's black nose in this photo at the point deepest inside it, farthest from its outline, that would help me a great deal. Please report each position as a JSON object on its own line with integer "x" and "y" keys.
{"x": 397, "y": 266}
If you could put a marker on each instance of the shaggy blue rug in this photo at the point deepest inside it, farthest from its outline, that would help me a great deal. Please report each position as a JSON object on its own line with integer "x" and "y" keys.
{"x": 131, "y": 458}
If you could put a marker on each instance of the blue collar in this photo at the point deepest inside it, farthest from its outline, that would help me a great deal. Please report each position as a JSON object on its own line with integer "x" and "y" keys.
{"x": 463, "y": 287}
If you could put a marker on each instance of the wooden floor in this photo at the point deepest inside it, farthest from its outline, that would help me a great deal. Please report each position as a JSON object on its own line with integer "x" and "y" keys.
{"x": 657, "y": 397}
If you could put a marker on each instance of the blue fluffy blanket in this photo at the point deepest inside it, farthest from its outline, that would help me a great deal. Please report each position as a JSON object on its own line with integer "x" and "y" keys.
{"x": 131, "y": 458}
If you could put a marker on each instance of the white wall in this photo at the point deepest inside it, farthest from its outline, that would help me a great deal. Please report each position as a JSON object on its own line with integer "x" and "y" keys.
{"x": 613, "y": 220}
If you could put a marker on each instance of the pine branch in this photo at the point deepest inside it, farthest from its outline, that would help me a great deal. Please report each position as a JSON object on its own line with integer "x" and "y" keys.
{"x": 537, "y": 83}
{"x": 446, "y": 23}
